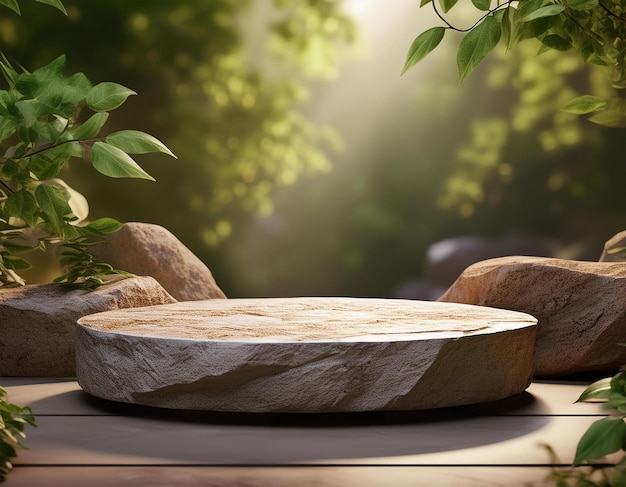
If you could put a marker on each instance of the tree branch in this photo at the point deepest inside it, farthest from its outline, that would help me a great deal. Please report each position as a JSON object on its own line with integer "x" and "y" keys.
{"x": 487, "y": 14}
{"x": 6, "y": 187}
{"x": 611, "y": 13}
{"x": 48, "y": 147}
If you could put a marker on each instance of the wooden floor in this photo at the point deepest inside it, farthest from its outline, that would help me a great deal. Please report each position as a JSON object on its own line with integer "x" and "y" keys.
{"x": 82, "y": 441}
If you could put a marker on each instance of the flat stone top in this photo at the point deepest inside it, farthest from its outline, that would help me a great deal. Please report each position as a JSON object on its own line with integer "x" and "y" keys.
{"x": 311, "y": 319}
{"x": 609, "y": 269}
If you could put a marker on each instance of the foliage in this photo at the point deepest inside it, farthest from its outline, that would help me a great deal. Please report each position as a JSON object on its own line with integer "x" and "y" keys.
{"x": 43, "y": 125}
{"x": 523, "y": 110}
{"x": 595, "y": 29}
{"x": 607, "y": 435}
{"x": 604, "y": 437}
{"x": 12, "y": 421}
{"x": 581, "y": 49}
{"x": 230, "y": 112}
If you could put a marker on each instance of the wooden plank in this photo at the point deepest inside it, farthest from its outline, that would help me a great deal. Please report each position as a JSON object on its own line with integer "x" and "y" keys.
{"x": 84, "y": 441}
{"x": 102, "y": 440}
{"x": 49, "y": 396}
{"x": 278, "y": 477}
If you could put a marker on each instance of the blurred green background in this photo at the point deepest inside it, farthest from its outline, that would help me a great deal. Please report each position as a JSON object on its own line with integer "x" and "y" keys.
{"x": 307, "y": 165}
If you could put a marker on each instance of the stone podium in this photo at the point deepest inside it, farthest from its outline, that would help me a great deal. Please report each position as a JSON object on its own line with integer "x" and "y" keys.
{"x": 305, "y": 355}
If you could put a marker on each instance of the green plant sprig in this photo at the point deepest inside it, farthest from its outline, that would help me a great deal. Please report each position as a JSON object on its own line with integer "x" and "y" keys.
{"x": 12, "y": 422}
{"x": 596, "y": 30}
{"x": 607, "y": 435}
{"x": 42, "y": 131}
{"x": 604, "y": 437}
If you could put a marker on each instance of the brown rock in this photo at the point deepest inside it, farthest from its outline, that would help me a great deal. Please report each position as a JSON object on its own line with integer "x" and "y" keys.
{"x": 612, "y": 249}
{"x": 38, "y": 322}
{"x": 305, "y": 354}
{"x": 151, "y": 250}
{"x": 580, "y": 307}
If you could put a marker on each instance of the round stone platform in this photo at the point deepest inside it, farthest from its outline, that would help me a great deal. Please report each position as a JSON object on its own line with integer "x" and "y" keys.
{"x": 305, "y": 354}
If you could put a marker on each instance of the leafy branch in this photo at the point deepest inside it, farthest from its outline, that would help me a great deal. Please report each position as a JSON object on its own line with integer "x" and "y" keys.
{"x": 42, "y": 127}
{"x": 607, "y": 435}
{"x": 490, "y": 11}
{"x": 595, "y": 29}
{"x": 12, "y": 421}
{"x": 604, "y": 437}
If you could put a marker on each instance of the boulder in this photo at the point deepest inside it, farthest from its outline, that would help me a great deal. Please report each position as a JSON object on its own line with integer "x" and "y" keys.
{"x": 448, "y": 258}
{"x": 580, "y": 307}
{"x": 145, "y": 249}
{"x": 38, "y": 322}
{"x": 612, "y": 249}
{"x": 305, "y": 355}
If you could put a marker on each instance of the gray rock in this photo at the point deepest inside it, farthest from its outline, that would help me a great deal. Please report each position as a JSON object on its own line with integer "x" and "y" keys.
{"x": 151, "y": 250}
{"x": 305, "y": 354}
{"x": 38, "y": 322}
{"x": 580, "y": 307}
{"x": 447, "y": 259}
{"x": 615, "y": 249}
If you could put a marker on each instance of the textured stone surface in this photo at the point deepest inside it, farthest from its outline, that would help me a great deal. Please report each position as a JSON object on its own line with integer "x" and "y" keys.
{"x": 580, "y": 307}
{"x": 447, "y": 259}
{"x": 616, "y": 242}
{"x": 151, "y": 250}
{"x": 38, "y": 322}
{"x": 305, "y": 354}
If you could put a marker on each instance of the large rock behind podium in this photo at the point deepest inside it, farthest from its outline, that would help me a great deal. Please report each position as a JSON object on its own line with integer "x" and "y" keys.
{"x": 580, "y": 307}
{"x": 305, "y": 354}
{"x": 151, "y": 250}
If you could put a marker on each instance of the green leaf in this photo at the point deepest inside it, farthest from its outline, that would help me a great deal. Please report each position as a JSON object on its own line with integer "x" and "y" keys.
{"x": 603, "y": 437}
{"x": 616, "y": 401}
{"x": 53, "y": 202}
{"x": 104, "y": 226}
{"x": 582, "y": 4}
{"x": 446, "y": 5}
{"x": 14, "y": 169}
{"x": 16, "y": 249}
{"x": 598, "y": 390}
{"x": 43, "y": 167}
{"x": 547, "y": 11}
{"x": 424, "y": 2}
{"x": 475, "y": 46}
{"x": 482, "y": 4}
{"x": 535, "y": 28}
{"x": 422, "y": 45}
{"x": 107, "y": 96}
{"x": 507, "y": 20}
{"x": 30, "y": 84}
{"x": 7, "y": 450}
{"x": 10, "y": 74}
{"x": 612, "y": 115}
{"x": 136, "y": 142}
{"x": 618, "y": 383}
{"x": 75, "y": 88}
{"x": 30, "y": 110}
{"x": 91, "y": 127}
{"x": 584, "y": 104}
{"x": 15, "y": 263}
{"x": 115, "y": 163}
{"x": 49, "y": 163}
{"x": 54, "y": 3}
{"x": 76, "y": 201}
{"x": 22, "y": 204}
{"x": 526, "y": 7}
{"x": 557, "y": 42}
{"x": 12, "y": 4}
